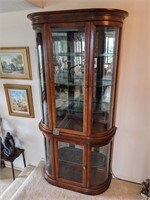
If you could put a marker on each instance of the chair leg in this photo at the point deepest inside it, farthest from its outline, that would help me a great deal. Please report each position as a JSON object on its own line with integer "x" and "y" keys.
{"x": 24, "y": 161}
{"x": 3, "y": 163}
{"x": 13, "y": 172}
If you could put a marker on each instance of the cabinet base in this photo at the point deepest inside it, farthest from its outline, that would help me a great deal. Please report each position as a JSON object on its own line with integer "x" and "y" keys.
{"x": 90, "y": 191}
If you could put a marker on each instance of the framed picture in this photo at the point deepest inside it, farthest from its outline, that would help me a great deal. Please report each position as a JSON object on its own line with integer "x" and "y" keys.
{"x": 19, "y": 100}
{"x": 15, "y": 63}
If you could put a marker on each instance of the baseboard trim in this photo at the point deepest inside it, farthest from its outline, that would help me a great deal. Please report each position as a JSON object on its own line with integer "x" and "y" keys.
{"x": 7, "y": 164}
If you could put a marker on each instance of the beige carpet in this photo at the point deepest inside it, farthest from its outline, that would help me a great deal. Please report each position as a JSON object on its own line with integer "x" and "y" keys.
{"x": 36, "y": 188}
{"x": 6, "y": 178}
{"x": 15, "y": 185}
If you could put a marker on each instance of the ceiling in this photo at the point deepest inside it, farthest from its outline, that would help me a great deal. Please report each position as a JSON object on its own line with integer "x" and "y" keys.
{"x": 18, "y": 5}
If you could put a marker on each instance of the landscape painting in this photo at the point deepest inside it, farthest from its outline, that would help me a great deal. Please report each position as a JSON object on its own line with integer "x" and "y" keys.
{"x": 15, "y": 63}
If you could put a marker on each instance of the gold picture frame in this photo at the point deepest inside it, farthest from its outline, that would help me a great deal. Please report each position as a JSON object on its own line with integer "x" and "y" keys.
{"x": 19, "y": 100}
{"x": 15, "y": 63}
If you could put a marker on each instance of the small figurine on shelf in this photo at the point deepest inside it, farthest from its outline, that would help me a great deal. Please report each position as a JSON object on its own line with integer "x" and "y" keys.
{"x": 9, "y": 145}
{"x": 145, "y": 192}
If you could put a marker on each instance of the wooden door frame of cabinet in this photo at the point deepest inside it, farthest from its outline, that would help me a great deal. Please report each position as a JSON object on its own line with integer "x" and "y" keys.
{"x": 86, "y": 77}
{"x": 52, "y": 85}
{"x": 86, "y": 26}
{"x": 91, "y": 73}
{"x": 88, "y": 153}
{"x": 46, "y": 44}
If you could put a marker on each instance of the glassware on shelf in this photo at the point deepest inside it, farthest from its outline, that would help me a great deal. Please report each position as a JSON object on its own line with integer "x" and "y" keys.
{"x": 68, "y": 59}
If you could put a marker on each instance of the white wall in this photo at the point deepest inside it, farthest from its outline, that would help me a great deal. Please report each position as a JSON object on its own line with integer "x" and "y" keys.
{"x": 149, "y": 87}
{"x": 130, "y": 160}
{"x": 16, "y": 30}
{"x": 131, "y": 142}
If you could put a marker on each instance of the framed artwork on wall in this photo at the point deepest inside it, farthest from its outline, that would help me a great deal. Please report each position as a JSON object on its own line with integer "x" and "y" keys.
{"x": 19, "y": 100}
{"x": 15, "y": 63}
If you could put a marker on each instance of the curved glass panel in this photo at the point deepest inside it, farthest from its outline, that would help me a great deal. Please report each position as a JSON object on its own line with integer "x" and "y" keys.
{"x": 105, "y": 61}
{"x": 48, "y": 156}
{"x": 42, "y": 75}
{"x": 68, "y": 60}
{"x": 99, "y": 164}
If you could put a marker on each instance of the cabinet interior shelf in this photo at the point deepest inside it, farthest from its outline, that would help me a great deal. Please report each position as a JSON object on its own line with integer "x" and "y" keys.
{"x": 75, "y": 155}
{"x": 82, "y": 54}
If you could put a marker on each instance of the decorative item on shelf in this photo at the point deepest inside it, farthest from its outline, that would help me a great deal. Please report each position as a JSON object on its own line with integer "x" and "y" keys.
{"x": 15, "y": 63}
{"x": 19, "y": 100}
{"x": 9, "y": 145}
{"x": 145, "y": 192}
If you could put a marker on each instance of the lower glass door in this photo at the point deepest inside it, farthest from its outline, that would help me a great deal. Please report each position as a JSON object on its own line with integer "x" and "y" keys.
{"x": 70, "y": 161}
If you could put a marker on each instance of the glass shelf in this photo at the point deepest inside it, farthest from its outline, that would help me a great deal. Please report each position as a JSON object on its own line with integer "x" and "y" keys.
{"x": 105, "y": 54}
{"x": 70, "y": 110}
{"x": 67, "y": 84}
{"x": 77, "y": 110}
{"x": 65, "y": 77}
{"x": 76, "y": 54}
{"x": 103, "y": 85}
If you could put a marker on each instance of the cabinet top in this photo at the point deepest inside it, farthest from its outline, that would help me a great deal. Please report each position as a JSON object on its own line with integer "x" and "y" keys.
{"x": 79, "y": 15}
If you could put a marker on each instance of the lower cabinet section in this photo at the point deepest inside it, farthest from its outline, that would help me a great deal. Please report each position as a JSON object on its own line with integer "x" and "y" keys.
{"x": 79, "y": 166}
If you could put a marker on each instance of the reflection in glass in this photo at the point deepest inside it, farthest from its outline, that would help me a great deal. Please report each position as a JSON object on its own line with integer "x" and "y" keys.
{"x": 42, "y": 75}
{"x": 48, "y": 156}
{"x": 99, "y": 164}
{"x": 70, "y": 158}
{"x": 106, "y": 50}
{"x": 68, "y": 59}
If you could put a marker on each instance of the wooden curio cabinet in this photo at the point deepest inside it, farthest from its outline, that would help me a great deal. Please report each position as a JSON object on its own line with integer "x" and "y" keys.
{"x": 78, "y": 53}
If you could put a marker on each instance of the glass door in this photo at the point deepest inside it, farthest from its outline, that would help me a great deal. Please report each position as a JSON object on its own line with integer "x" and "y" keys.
{"x": 69, "y": 72}
{"x": 105, "y": 63}
{"x": 70, "y": 162}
